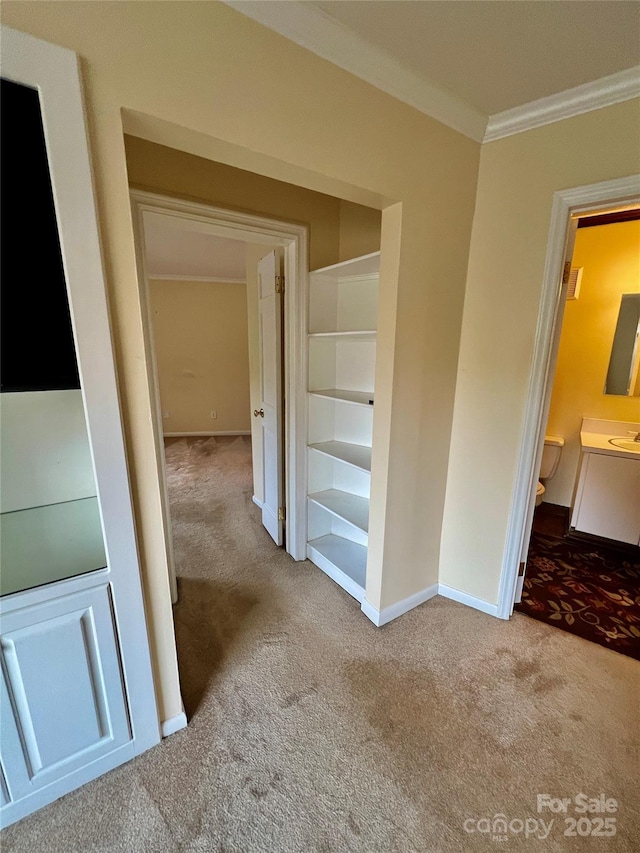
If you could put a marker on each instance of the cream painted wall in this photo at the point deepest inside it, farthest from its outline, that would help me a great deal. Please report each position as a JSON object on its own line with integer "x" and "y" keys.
{"x": 209, "y": 81}
{"x": 338, "y": 229}
{"x": 202, "y": 351}
{"x": 359, "y": 230}
{"x": 610, "y": 258}
{"x": 518, "y": 176}
{"x": 167, "y": 171}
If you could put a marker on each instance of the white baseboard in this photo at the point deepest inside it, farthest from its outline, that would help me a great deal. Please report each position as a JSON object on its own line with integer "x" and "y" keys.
{"x": 173, "y": 724}
{"x": 470, "y": 600}
{"x": 257, "y": 501}
{"x": 204, "y": 434}
{"x": 387, "y": 614}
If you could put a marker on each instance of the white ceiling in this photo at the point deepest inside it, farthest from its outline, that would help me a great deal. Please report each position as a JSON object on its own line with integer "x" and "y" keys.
{"x": 464, "y": 61}
{"x": 175, "y": 250}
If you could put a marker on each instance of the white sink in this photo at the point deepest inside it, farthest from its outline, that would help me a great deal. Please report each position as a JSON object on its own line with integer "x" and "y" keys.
{"x": 626, "y": 444}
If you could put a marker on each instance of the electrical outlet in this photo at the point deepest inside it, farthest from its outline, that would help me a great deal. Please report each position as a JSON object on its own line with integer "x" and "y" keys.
{"x": 214, "y": 415}
{"x": 166, "y": 414}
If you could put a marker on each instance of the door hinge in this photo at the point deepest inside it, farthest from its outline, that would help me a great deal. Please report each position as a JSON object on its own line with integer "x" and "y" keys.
{"x": 279, "y": 284}
{"x": 282, "y": 513}
{"x": 566, "y": 272}
{"x": 521, "y": 569}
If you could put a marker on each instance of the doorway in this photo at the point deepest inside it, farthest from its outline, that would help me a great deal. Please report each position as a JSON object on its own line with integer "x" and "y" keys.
{"x": 258, "y": 236}
{"x": 567, "y": 206}
{"x": 583, "y": 560}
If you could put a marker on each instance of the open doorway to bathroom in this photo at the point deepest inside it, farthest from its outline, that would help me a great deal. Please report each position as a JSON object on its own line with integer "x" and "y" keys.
{"x": 583, "y": 562}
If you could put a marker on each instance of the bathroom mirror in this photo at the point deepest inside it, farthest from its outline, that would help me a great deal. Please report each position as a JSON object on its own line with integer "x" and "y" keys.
{"x": 623, "y": 374}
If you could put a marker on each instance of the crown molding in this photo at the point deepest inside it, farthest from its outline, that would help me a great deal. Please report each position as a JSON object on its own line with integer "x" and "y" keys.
{"x": 622, "y": 86}
{"x": 207, "y": 279}
{"x": 313, "y": 29}
{"x": 318, "y": 32}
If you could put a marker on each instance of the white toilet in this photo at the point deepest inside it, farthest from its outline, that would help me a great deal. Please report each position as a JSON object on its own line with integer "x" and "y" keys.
{"x": 553, "y": 445}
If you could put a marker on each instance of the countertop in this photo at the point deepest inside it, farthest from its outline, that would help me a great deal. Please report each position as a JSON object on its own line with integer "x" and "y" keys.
{"x": 595, "y": 435}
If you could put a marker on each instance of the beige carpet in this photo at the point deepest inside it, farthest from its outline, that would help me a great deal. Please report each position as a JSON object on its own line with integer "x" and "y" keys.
{"x": 312, "y": 730}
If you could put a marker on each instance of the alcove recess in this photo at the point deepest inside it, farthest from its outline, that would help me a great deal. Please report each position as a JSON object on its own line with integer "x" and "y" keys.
{"x": 343, "y": 309}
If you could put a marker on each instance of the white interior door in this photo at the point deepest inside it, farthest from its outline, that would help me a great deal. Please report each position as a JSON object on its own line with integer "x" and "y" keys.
{"x": 271, "y": 404}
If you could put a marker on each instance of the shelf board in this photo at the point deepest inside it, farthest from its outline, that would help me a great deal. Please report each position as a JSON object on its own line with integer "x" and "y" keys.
{"x": 366, "y": 335}
{"x": 364, "y": 265}
{"x": 356, "y": 455}
{"x": 350, "y": 508}
{"x": 357, "y": 398}
{"x": 342, "y": 560}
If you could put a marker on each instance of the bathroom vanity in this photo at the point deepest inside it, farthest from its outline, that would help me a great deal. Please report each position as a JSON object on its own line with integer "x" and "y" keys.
{"x": 607, "y": 498}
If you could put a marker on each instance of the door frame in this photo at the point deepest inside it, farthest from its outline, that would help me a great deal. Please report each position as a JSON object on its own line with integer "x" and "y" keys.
{"x": 249, "y": 228}
{"x": 567, "y": 204}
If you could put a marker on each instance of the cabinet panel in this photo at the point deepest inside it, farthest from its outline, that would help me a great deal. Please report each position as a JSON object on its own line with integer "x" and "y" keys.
{"x": 608, "y": 498}
{"x": 62, "y": 698}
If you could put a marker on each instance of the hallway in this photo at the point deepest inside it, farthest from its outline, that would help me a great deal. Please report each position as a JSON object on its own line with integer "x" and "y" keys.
{"x": 312, "y": 730}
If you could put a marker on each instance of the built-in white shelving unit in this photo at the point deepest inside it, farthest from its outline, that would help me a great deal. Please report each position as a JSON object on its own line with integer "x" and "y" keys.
{"x": 343, "y": 309}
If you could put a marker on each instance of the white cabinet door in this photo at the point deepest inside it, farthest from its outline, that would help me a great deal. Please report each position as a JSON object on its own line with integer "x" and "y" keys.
{"x": 64, "y": 664}
{"x": 270, "y": 412}
{"x": 608, "y": 498}
{"x": 62, "y": 699}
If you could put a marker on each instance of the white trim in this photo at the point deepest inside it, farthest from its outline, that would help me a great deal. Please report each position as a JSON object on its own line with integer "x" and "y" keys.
{"x": 519, "y": 587}
{"x": 270, "y": 232}
{"x": 318, "y": 32}
{"x": 470, "y": 600}
{"x": 207, "y": 279}
{"x": 331, "y": 269}
{"x": 40, "y": 594}
{"x": 622, "y": 86}
{"x": 387, "y": 614}
{"x": 173, "y": 724}
{"x": 565, "y": 203}
{"x": 205, "y": 434}
{"x": 257, "y": 501}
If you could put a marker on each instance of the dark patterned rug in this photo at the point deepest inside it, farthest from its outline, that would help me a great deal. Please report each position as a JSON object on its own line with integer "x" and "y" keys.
{"x": 588, "y": 590}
